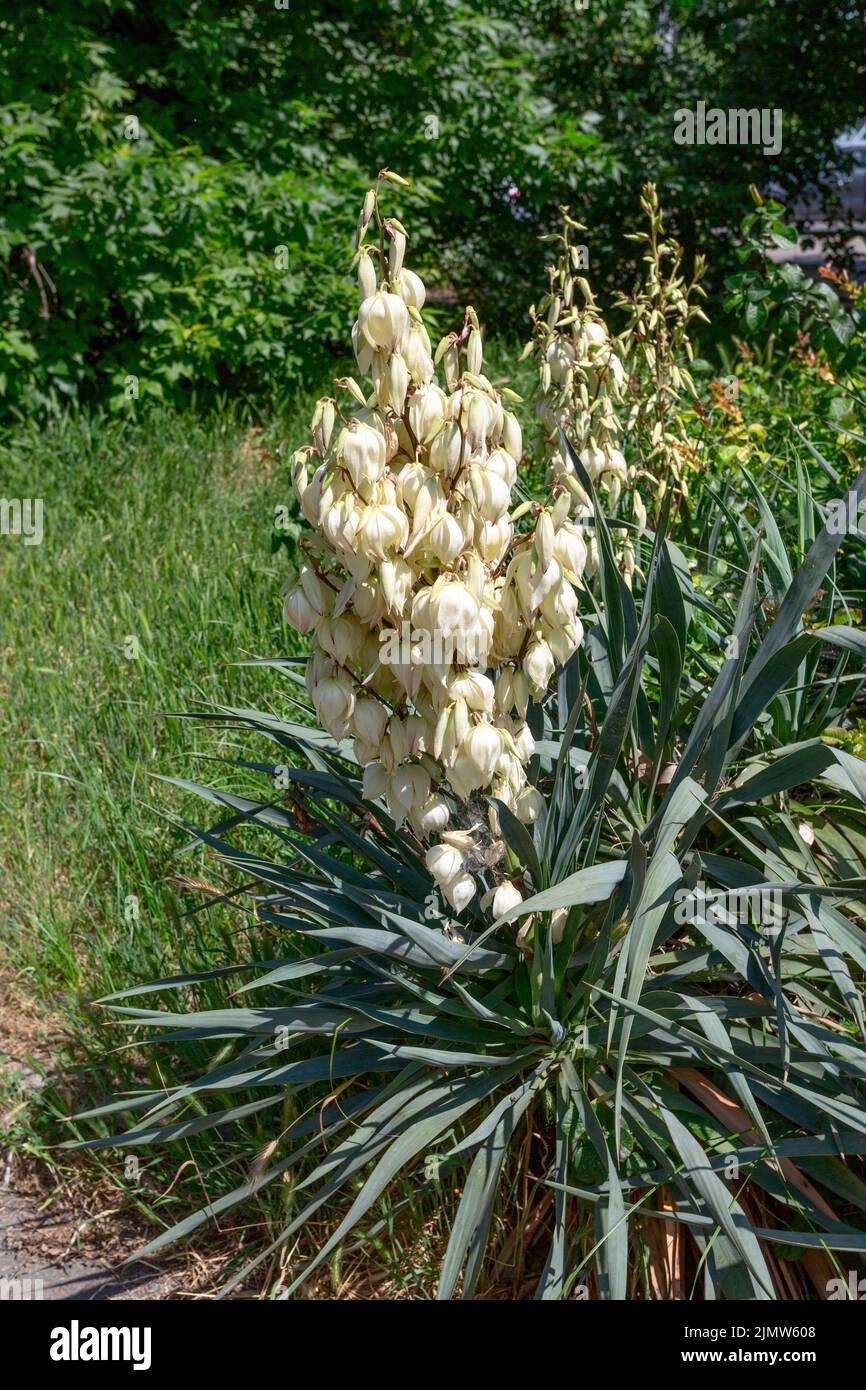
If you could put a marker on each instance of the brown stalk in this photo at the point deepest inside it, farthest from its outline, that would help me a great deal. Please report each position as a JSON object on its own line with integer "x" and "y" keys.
{"x": 816, "y": 1264}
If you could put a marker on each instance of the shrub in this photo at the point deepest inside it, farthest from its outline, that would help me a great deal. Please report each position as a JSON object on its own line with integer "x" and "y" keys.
{"x": 154, "y": 256}
{"x": 137, "y": 268}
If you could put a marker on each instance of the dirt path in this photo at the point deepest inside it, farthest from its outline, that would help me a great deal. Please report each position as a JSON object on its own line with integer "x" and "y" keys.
{"x": 27, "y": 1272}
{"x": 50, "y": 1246}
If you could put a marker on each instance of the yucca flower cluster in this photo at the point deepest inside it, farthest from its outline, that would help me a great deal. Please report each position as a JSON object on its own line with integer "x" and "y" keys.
{"x": 659, "y": 314}
{"x": 582, "y": 380}
{"x": 433, "y": 618}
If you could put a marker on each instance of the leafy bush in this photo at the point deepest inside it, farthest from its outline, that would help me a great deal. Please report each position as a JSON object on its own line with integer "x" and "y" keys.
{"x": 154, "y": 257}
{"x": 137, "y": 268}
{"x": 784, "y": 300}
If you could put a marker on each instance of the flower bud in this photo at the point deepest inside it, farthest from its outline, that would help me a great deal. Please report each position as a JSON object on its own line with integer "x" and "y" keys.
{"x": 460, "y": 720}
{"x": 569, "y": 549}
{"x": 529, "y": 805}
{"x": 383, "y": 319}
{"x": 429, "y": 500}
{"x": 559, "y": 359}
{"x": 444, "y": 863}
{"x": 365, "y": 753}
{"x": 299, "y": 612}
{"x": 369, "y": 718}
{"x": 446, "y": 449}
{"x": 616, "y": 373}
{"x": 443, "y": 738}
{"x": 594, "y": 462}
{"x": 433, "y": 816}
{"x": 398, "y": 383}
{"x": 504, "y": 689}
{"x": 562, "y": 510}
{"x": 426, "y": 411}
{"x": 495, "y": 495}
{"x": 544, "y": 539}
{"x": 474, "y": 352}
{"x": 300, "y": 474}
{"x": 416, "y": 350}
{"x": 476, "y": 576}
{"x": 409, "y": 788}
{"x": 452, "y": 608}
{"x": 475, "y": 688}
{"x": 400, "y": 740}
{"x": 512, "y": 439}
{"x": 410, "y": 481}
{"x": 445, "y": 539}
{"x": 363, "y": 350}
{"x": 505, "y": 896}
{"x": 520, "y": 689}
{"x": 410, "y": 288}
{"x": 532, "y": 582}
{"x": 367, "y": 601}
{"x": 363, "y": 453}
{"x": 396, "y": 252}
{"x": 628, "y": 562}
{"x": 334, "y": 702}
{"x": 341, "y": 638}
{"x": 616, "y": 465}
{"x": 478, "y": 420}
{"x": 524, "y": 743}
{"x": 317, "y": 591}
{"x": 450, "y": 361}
{"x": 375, "y": 782}
{"x": 493, "y": 539}
{"x": 366, "y": 276}
{"x": 502, "y": 463}
{"x": 539, "y": 666}
{"x": 395, "y": 579}
{"x": 382, "y": 528}
{"x": 460, "y": 891}
{"x": 639, "y": 512}
{"x": 481, "y": 749}
{"x": 594, "y": 336}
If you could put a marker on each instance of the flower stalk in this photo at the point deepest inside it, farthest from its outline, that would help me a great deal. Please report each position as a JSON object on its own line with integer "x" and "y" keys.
{"x": 433, "y": 620}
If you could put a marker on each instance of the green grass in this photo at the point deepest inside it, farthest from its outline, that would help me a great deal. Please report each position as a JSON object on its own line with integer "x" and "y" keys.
{"x": 156, "y": 529}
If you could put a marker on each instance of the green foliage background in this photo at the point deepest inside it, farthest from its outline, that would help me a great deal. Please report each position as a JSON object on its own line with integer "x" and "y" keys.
{"x": 259, "y": 127}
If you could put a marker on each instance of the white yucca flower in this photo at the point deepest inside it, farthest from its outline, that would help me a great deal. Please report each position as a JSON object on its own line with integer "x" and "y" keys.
{"x": 432, "y": 619}
{"x": 582, "y": 381}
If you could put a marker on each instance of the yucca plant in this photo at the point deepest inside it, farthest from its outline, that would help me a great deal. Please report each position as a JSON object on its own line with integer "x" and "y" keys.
{"x": 666, "y": 1032}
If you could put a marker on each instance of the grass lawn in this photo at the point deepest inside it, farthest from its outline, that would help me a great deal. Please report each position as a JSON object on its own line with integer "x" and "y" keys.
{"x": 154, "y": 575}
